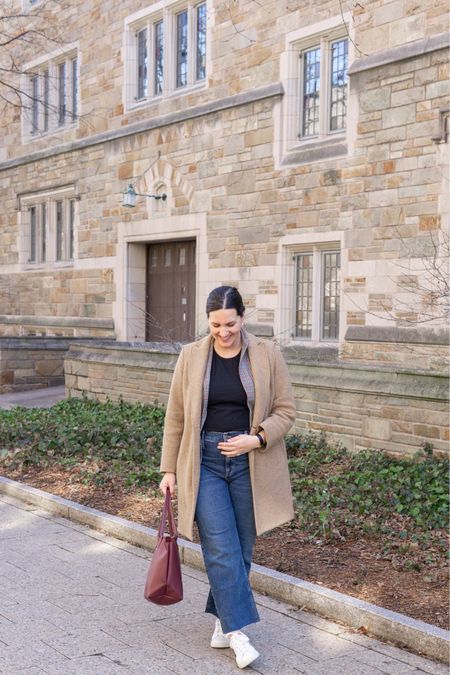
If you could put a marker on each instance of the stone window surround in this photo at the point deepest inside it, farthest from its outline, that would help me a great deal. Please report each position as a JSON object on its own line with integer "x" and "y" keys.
{"x": 285, "y": 270}
{"x": 66, "y": 194}
{"x": 288, "y": 148}
{"x": 133, "y": 237}
{"x": 37, "y": 66}
{"x": 147, "y": 17}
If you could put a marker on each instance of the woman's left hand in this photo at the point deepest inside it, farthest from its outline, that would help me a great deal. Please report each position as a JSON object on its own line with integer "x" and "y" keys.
{"x": 238, "y": 445}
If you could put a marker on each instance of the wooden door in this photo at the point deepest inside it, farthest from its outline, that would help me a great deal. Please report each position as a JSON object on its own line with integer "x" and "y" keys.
{"x": 170, "y": 310}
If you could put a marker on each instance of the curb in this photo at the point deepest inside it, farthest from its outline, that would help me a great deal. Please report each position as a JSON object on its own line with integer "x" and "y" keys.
{"x": 421, "y": 637}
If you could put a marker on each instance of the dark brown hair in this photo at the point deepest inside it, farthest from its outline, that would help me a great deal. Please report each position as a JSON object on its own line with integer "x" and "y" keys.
{"x": 225, "y": 297}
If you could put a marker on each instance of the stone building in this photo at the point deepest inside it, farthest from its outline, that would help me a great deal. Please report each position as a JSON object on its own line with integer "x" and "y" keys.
{"x": 297, "y": 150}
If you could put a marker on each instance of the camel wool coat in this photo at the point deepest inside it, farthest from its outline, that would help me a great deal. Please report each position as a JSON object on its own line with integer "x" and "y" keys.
{"x": 274, "y": 412}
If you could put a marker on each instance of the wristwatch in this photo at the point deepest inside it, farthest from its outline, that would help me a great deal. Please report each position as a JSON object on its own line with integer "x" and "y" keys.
{"x": 261, "y": 440}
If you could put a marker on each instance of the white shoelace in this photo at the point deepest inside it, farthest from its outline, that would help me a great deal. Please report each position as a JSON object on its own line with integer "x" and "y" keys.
{"x": 241, "y": 638}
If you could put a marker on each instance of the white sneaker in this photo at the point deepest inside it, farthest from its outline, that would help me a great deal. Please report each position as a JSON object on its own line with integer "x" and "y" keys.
{"x": 219, "y": 640}
{"x": 245, "y": 652}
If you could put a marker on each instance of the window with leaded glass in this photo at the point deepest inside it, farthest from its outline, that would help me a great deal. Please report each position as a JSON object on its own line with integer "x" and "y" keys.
{"x": 43, "y": 232}
{"x": 33, "y": 234}
{"x": 142, "y": 83}
{"x": 317, "y": 295}
{"x": 303, "y": 327}
{"x": 331, "y": 265}
{"x": 338, "y": 84}
{"x": 182, "y": 49}
{"x": 53, "y": 96}
{"x": 49, "y": 222}
{"x": 159, "y": 57}
{"x": 59, "y": 230}
{"x": 71, "y": 227}
{"x": 167, "y": 51}
{"x": 311, "y": 89}
{"x": 46, "y": 99}
{"x": 34, "y": 104}
{"x": 61, "y": 94}
{"x": 323, "y": 88}
{"x": 201, "y": 42}
{"x": 74, "y": 89}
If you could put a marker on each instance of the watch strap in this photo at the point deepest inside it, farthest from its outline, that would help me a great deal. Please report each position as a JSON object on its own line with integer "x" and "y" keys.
{"x": 261, "y": 440}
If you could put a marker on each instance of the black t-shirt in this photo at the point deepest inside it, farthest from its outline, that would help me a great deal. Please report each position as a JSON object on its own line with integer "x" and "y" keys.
{"x": 227, "y": 401}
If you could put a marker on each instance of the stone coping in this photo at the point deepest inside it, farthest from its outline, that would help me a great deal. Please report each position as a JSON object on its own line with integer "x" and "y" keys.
{"x": 399, "y": 335}
{"x": 58, "y": 343}
{"x": 59, "y": 321}
{"x": 384, "y": 624}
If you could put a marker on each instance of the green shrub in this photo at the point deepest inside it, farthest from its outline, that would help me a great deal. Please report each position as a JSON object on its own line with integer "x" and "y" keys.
{"x": 336, "y": 489}
{"x": 78, "y": 430}
{"x": 338, "y": 493}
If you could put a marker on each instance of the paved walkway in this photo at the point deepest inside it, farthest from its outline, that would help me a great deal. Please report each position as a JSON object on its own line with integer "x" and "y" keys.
{"x": 71, "y": 603}
{"x": 34, "y": 398}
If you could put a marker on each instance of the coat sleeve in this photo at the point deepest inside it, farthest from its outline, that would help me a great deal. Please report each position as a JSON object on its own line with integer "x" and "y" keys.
{"x": 174, "y": 421}
{"x": 282, "y": 415}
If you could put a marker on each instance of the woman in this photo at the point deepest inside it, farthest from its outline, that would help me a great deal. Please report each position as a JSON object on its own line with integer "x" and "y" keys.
{"x": 229, "y": 408}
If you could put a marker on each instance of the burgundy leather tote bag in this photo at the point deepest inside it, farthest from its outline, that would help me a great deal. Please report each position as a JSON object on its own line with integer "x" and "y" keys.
{"x": 164, "y": 585}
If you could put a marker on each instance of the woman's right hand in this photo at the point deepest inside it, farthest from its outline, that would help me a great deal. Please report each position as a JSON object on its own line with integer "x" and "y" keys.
{"x": 168, "y": 481}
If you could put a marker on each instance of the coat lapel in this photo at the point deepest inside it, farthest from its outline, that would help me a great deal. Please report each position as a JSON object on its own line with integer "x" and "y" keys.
{"x": 260, "y": 367}
{"x": 197, "y": 367}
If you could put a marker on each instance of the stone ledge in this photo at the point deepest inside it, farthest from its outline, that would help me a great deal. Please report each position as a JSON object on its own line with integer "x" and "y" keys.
{"x": 384, "y": 624}
{"x": 42, "y": 343}
{"x": 315, "y": 152}
{"x": 410, "y": 385}
{"x": 424, "y": 336}
{"x": 60, "y": 322}
{"x": 408, "y": 51}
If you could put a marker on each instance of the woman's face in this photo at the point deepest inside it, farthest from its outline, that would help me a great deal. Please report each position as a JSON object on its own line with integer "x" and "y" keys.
{"x": 225, "y": 326}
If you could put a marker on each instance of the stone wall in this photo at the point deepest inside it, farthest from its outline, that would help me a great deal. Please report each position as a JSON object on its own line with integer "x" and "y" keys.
{"x": 380, "y": 345}
{"x": 31, "y": 363}
{"x": 393, "y": 410}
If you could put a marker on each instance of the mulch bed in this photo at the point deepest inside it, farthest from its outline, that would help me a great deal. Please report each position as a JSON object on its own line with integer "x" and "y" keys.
{"x": 357, "y": 568}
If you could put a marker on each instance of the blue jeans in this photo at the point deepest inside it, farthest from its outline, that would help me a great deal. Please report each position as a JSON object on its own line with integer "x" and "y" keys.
{"x": 226, "y": 524}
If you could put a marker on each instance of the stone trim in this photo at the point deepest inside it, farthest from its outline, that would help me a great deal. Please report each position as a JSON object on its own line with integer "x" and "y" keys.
{"x": 60, "y": 322}
{"x": 42, "y": 343}
{"x": 413, "y": 385}
{"x": 424, "y": 336}
{"x": 315, "y": 152}
{"x": 244, "y": 98}
{"x": 408, "y": 51}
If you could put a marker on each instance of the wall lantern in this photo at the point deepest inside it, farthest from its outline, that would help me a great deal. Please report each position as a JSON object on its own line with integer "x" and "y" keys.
{"x": 130, "y": 194}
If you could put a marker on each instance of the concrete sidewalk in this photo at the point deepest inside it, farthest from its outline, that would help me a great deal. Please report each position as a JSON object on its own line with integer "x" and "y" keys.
{"x": 71, "y": 603}
{"x": 34, "y": 398}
